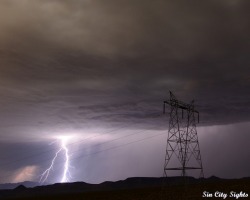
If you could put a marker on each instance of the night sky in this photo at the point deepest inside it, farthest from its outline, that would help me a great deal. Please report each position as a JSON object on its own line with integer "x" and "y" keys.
{"x": 99, "y": 71}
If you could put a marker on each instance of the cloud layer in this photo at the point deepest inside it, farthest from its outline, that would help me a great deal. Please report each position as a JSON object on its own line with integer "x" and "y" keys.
{"x": 91, "y": 66}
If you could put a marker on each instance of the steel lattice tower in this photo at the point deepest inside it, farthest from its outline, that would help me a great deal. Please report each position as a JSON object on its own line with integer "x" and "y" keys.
{"x": 182, "y": 152}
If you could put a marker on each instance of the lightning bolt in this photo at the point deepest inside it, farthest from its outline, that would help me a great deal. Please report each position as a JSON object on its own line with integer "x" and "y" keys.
{"x": 66, "y": 174}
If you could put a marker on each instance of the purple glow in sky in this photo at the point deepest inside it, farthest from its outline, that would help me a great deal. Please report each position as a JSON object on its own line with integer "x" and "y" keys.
{"x": 100, "y": 71}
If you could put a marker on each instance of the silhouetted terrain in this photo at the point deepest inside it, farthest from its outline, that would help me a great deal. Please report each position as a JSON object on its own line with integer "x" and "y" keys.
{"x": 131, "y": 188}
{"x": 28, "y": 184}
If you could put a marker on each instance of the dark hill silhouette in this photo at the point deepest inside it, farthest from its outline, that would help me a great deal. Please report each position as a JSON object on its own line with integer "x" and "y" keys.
{"x": 20, "y": 188}
{"x": 131, "y": 186}
{"x": 27, "y": 184}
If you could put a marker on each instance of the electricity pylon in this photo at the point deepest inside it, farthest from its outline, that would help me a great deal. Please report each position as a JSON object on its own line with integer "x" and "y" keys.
{"x": 183, "y": 151}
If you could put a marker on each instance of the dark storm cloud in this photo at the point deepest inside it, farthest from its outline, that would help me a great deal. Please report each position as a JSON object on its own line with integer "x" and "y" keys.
{"x": 76, "y": 65}
{"x": 127, "y": 51}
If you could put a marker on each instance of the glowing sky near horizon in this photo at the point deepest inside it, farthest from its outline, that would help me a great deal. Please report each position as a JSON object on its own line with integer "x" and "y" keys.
{"x": 102, "y": 69}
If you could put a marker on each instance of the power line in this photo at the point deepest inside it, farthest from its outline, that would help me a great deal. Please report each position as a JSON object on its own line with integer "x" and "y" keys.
{"x": 73, "y": 143}
{"x": 104, "y": 150}
{"x": 55, "y": 148}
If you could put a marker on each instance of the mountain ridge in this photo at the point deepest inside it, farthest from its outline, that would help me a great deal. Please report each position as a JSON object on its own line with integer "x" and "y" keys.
{"x": 22, "y": 191}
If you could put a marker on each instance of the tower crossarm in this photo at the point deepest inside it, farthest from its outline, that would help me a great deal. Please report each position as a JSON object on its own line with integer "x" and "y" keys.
{"x": 181, "y": 105}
